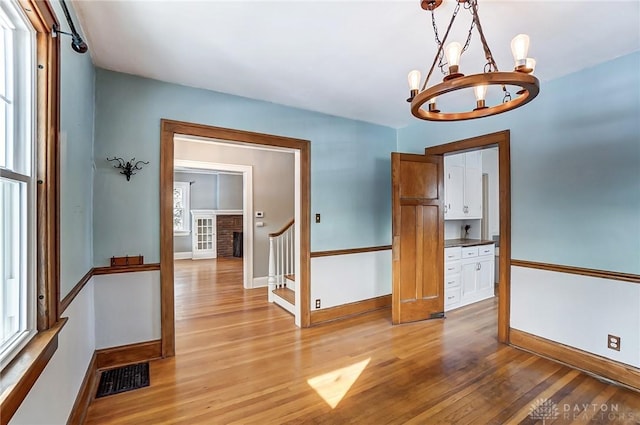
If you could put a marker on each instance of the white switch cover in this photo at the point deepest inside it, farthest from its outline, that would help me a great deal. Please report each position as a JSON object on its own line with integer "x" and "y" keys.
{"x": 259, "y": 214}
{"x": 259, "y": 224}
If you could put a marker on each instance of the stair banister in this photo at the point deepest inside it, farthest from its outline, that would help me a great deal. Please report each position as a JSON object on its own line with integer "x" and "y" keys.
{"x": 281, "y": 255}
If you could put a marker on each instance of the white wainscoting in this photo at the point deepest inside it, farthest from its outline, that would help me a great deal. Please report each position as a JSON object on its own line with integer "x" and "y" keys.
{"x": 343, "y": 279}
{"x": 127, "y": 308}
{"x": 578, "y": 311}
{"x": 54, "y": 392}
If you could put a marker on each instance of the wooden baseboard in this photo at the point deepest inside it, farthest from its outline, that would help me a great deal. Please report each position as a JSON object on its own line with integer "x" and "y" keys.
{"x": 351, "y": 309}
{"x": 85, "y": 394}
{"x": 590, "y": 363}
{"x": 107, "y": 358}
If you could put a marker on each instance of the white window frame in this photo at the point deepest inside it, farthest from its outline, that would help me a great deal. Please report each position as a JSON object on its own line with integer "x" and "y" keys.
{"x": 186, "y": 201}
{"x": 20, "y": 167}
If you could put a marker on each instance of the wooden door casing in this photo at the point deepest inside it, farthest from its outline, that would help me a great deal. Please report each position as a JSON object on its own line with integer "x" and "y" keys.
{"x": 418, "y": 237}
{"x": 500, "y": 139}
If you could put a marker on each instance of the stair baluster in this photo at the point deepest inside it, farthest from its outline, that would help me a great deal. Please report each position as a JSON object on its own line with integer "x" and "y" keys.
{"x": 281, "y": 260}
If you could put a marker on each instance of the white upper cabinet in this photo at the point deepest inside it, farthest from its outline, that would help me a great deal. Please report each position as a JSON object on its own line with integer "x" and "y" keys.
{"x": 463, "y": 186}
{"x": 473, "y": 185}
{"x": 454, "y": 191}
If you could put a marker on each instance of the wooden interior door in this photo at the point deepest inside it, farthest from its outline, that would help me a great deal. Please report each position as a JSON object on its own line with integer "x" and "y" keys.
{"x": 418, "y": 237}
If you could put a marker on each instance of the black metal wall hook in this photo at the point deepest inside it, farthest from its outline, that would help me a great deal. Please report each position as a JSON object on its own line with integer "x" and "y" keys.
{"x": 128, "y": 167}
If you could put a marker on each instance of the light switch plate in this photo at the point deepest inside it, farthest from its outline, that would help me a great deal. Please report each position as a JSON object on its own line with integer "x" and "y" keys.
{"x": 259, "y": 214}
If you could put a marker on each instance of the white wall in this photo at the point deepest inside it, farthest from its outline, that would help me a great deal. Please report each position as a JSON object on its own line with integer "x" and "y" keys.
{"x": 229, "y": 192}
{"x": 127, "y": 308}
{"x": 53, "y": 394}
{"x": 111, "y": 310}
{"x": 341, "y": 279}
{"x": 454, "y": 229}
{"x": 556, "y": 306}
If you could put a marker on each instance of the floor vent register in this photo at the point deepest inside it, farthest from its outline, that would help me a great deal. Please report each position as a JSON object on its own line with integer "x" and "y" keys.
{"x": 121, "y": 379}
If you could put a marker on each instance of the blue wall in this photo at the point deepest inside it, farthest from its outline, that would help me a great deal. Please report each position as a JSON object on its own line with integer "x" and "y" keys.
{"x": 575, "y": 167}
{"x": 77, "y": 77}
{"x": 350, "y": 163}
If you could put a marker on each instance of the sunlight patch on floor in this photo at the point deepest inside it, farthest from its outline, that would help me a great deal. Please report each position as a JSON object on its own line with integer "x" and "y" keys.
{"x": 334, "y": 385}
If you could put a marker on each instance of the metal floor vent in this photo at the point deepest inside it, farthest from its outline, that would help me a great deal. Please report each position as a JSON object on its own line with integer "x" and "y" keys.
{"x": 123, "y": 379}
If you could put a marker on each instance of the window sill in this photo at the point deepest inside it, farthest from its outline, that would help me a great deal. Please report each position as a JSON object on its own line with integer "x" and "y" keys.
{"x": 182, "y": 233}
{"x": 19, "y": 376}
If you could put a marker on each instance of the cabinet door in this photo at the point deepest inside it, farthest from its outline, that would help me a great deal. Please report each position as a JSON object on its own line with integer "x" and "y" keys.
{"x": 204, "y": 236}
{"x": 473, "y": 185}
{"x": 486, "y": 273}
{"x": 469, "y": 277}
{"x": 454, "y": 192}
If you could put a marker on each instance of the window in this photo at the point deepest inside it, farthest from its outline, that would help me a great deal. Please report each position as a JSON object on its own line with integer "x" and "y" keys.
{"x": 17, "y": 186}
{"x": 181, "y": 208}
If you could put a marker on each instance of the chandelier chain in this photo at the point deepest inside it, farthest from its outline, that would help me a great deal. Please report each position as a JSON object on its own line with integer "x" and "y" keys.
{"x": 473, "y": 24}
{"x": 441, "y": 63}
{"x": 493, "y": 67}
{"x": 435, "y": 28}
{"x": 440, "y": 46}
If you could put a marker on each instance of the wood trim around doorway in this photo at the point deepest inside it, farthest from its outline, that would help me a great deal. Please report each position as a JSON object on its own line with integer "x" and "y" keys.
{"x": 500, "y": 139}
{"x": 168, "y": 130}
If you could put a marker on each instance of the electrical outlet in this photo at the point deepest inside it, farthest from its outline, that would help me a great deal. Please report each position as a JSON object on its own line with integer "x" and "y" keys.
{"x": 317, "y": 218}
{"x": 613, "y": 342}
{"x": 318, "y": 303}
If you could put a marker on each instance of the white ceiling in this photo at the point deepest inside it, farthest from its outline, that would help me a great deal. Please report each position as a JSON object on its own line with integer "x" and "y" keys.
{"x": 345, "y": 58}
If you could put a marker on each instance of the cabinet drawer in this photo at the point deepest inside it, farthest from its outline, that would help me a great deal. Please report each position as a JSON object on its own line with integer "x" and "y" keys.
{"x": 452, "y": 268}
{"x": 469, "y": 251}
{"x": 452, "y": 254}
{"x": 486, "y": 249}
{"x": 451, "y": 282}
{"x": 452, "y": 297}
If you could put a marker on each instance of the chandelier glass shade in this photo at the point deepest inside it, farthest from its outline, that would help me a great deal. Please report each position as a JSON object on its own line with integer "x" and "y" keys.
{"x": 424, "y": 99}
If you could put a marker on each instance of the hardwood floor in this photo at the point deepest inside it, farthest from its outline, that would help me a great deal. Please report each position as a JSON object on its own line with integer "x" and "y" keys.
{"x": 241, "y": 360}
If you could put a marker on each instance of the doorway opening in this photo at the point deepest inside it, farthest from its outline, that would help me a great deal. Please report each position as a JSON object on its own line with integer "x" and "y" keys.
{"x": 208, "y": 134}
{"x": 502, "y": 196}
{"x": 220, "y": 204}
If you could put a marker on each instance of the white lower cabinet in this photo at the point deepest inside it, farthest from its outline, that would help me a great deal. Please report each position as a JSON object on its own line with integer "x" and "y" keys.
{"x": 452, "y": 290}
{"x": 468, "y": 275}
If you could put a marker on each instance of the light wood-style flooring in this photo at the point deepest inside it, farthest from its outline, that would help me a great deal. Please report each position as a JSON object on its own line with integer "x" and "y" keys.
{"x": 241, "y": 360}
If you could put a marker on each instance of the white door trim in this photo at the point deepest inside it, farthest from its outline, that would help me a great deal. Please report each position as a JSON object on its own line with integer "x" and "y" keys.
{"x": 247, "y": 208}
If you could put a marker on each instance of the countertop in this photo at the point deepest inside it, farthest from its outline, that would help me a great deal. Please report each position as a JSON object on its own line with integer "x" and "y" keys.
{"x": 448, "y": 243}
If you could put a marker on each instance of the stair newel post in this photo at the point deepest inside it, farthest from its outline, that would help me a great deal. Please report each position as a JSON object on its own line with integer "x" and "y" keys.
{"x": 272, "y": 269}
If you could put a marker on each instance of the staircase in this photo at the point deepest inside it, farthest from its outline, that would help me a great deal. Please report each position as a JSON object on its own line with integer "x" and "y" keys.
{"x": 282, "y": 279}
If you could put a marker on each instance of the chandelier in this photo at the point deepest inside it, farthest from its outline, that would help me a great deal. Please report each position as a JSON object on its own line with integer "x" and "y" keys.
{"x": 448, "y": 60}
